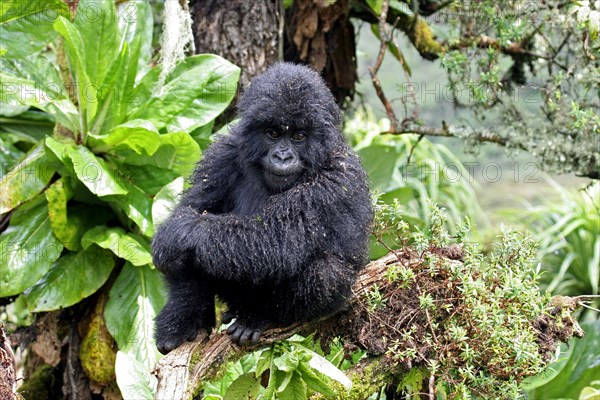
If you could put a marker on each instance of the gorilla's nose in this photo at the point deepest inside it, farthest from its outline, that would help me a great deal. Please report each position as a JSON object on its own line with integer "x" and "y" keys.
{"x": 283, "y": 157}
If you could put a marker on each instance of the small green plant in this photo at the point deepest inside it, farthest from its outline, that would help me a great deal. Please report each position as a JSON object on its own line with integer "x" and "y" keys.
{"x": 293, "y": 370}
{"x": 469, "y": 321}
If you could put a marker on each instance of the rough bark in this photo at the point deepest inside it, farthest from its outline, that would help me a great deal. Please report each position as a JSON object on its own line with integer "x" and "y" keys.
{"x": 320, "y": 34}
{"x": 244, "y": 32}
{"x": 7, "y": 368}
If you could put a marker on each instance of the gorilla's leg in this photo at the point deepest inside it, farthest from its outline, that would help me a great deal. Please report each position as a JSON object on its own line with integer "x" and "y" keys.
{"x": 321, "y": 288}
{"x": 246, "y": 303}
{"x": 190, "y": 307}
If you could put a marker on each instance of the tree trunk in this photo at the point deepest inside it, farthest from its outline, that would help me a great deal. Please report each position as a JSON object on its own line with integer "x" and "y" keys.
{"x": 256, "y": 34}
{"x": 246, "y": 33}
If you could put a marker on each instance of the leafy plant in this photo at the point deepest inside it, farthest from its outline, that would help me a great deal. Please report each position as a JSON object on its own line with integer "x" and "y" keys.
{"x": 292, "y": 368}
{"x": 83, "y": 202}
{"x": 409, "y": 172}
{"x": 569, "y": 235}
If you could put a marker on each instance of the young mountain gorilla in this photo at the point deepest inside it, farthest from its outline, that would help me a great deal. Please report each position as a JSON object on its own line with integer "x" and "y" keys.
{"x": 276, "y": 220}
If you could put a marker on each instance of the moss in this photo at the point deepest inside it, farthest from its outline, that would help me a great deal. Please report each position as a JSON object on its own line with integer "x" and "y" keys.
{"x": 98, "y": 349}
{"x": 41, "y": 385}
{"x": 421, "y": 36}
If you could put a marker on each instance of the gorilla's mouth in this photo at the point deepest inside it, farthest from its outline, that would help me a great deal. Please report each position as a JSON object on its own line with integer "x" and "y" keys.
{"x": 281, "y": 179}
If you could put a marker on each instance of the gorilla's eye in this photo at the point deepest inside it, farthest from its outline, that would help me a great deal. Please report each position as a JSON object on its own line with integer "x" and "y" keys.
{"x": 299, "y": 136}
{"x": 273, "y": 134}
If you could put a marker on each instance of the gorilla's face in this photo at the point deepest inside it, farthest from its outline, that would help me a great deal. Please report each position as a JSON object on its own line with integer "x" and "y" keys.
{"x": 282, "y": 164}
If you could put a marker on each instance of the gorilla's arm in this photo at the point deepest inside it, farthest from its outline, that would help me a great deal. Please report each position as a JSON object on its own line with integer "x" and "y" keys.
{"x": 276, "y": 244}
{"x": 211, "y": 184}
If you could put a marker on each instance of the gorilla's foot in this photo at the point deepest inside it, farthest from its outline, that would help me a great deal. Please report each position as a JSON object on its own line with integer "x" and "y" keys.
{"x": 172, "y": 331}
{"x": 228, "y": 316}
{"x": 244, "y": 331}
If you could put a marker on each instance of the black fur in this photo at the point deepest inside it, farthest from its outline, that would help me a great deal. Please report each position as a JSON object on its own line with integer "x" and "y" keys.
{"x": 274, "y": 256}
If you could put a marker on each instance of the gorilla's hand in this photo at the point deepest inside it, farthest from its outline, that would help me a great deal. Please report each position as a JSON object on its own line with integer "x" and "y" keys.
{"x": 173, "y": 245}
{"x": 167, "y": 257}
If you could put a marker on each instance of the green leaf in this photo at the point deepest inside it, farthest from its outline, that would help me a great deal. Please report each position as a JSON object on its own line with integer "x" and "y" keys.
{"x": 69, "y": 224}
{"x": 137, "y": 136}
{"x": 26, "y": 25}
{"x": 295, "y": 389}
{"x": 195, "y": 93}
{"x": 287, "y": 362}
{"x": 94, "y": 173}
{"x": 96, "y": 22}
{"x": 165, "y": 201}
{"x": 28, "y": 248}
{"x": 137, "y": 205}
{"x": 128, "y": 246}
{"x": 319, "y": 363}
{"x": 26, "y": 179}
{"x": 9, "y": 156}
{"x": 245, "y": 387}
{"x": 76, "y": 53}
{"x": 149, "y": 178}
{"x": 39, "y": 69}
{"x": 375, "y": 6}
{"x": 403, "y": 195}
{"x": 73, "y": 277}
{"x": 24, "y": 92}
{"x": 135, "y": 298}
{"x": 575, "y": 369}
{"x": 314, "y": 381}
{"x": 392, "y": 48}
{"x": 380, "y": 162}
{"x": 177, "y": 152}
{"x": 134, "y": 378}
{"x": 264, "y": 362}
{"x": 136, "y": 24}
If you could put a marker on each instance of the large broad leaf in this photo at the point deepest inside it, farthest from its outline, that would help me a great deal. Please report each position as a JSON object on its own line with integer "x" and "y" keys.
{"x": 245, "y": 387}
{"x": 177, "y": 152}
{"x": 9, "y": 156}
{"x": 137, "y": 206}
{"x": 577, "y": 367}
{"x": 28, "y": 248}
{"x": 26, "y": 25}
{"x": 134, "y": 378}
{"x": 128, "y": 246}
{"x": 29, "y": 127}
{"x": 94, "y": 173}
{"x": 194, "y": 94}
{"x": 149, "y": 178}
{"x": 136, "y": 24}
{"x": 69, "y": 223}
{"x": 96, "y": 22}
{"x": 26, "y": 179}
{"x": 90, "y": 170}
{"x": 72, "y": 278}
{"x": 166, "y": 200}
{"x": 25, "y": 92}
{"x": 87, "y": 95}
{"x": 39, "y": 69}
{"x": 135, "y": 298}
{"x": 136, "y": 136}
{"x": 117, "y": 84}
{"x": 380, "y": 162}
